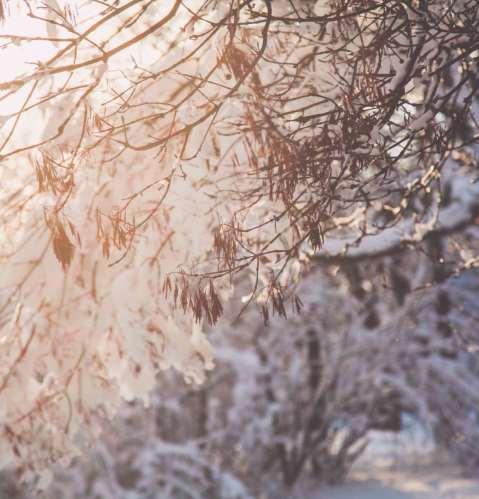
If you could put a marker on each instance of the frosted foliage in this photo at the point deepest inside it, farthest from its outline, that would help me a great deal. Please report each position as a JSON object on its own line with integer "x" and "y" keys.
{"x": 82, "y": 326}
{"x": 95, "y": 215}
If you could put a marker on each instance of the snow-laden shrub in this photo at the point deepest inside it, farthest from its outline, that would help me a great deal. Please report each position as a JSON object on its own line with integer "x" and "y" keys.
{"x": 133, "y": 460}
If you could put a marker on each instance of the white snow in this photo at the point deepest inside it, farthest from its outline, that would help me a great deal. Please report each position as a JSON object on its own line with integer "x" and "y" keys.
{"x": 415, "y": 482}
{"x": 399, "y": 466}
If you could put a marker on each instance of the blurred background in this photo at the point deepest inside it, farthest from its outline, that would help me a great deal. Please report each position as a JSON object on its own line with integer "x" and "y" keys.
{"x": 371, "y": 391}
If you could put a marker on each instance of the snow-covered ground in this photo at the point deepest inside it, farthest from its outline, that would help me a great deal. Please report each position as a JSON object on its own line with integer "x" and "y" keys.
{"x": 412, "y": 482}
{"x": 399, "y": 466}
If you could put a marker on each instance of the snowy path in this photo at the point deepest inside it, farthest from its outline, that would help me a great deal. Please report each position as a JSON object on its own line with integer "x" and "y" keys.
{"x": 399, "y": 466}
{"x": 421, "y": 482}
{"x": 438, "y": 483}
